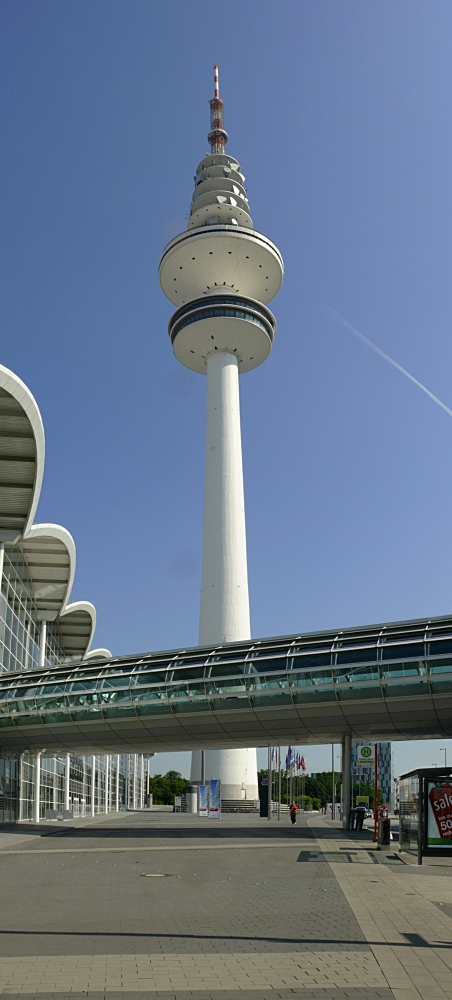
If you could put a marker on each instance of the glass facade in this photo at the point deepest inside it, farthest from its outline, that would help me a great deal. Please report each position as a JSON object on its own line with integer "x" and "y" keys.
{"x": 66, "y": 782}
{"x": 410, "y": 805}
{"x": 119, "y": 782}
{"x": 385, "y": 771}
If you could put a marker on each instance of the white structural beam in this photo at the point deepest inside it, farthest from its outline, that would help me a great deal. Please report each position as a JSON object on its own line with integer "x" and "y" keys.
{"x": 21, "y": 787}
{"x": 67, "y": 775}
{"x": 107, "y": 782}
{"x": 37, "y": 787}
{"x": 42, "y": 643}
{"x": 93, "y": 785}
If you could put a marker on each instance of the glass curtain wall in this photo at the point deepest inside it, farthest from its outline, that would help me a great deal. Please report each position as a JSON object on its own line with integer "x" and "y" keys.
{"x": 119, "y": 780}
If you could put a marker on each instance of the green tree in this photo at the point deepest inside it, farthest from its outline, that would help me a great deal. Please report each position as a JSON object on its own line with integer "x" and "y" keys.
{"x": 163, "y": 788}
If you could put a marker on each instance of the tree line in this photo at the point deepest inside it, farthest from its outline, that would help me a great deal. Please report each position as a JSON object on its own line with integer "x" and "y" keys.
{"x": 318, "y": 791}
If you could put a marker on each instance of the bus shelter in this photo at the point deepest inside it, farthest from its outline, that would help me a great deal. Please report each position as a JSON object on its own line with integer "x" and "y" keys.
{"x": 425, "y": 819}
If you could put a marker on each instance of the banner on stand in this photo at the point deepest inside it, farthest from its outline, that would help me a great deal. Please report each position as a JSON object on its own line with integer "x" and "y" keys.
{"x": 203, "y": 800}
{"x": 215, "y": 798}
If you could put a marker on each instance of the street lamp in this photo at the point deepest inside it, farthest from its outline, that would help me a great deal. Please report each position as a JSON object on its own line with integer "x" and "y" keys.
{"x": 444, "y": 750}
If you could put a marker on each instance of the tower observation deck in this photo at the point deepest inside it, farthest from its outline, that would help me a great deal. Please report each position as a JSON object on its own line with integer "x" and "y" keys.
{"x": 220, "y": 274}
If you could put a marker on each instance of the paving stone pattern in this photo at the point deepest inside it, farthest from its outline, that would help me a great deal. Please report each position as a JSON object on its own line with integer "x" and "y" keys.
{"x": 229, "y": 901}
{"x": 361, "y": 993}
{"x": 263, "y": 910}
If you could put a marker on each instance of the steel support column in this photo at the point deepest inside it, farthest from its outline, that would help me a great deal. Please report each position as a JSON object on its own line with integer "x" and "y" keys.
{"x": 346, "y": 780}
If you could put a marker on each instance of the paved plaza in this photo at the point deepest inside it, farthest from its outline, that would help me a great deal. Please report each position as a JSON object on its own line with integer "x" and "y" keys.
{"x": 172, "y": 906}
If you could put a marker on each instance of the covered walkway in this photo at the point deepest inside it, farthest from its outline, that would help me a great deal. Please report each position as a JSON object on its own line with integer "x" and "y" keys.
{"x": 384, "y": 682}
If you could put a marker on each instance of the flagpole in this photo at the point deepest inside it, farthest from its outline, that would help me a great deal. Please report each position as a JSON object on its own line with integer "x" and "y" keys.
{"x": 279, "y": 781}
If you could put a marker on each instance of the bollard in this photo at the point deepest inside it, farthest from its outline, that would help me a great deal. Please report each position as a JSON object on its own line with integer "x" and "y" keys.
{"x": 384, "y": 834}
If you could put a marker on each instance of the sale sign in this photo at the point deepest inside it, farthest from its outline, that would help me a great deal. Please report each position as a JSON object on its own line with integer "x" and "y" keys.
{"x": 439, "y": 832}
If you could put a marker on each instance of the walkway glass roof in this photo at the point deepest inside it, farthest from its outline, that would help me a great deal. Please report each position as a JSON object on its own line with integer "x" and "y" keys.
{"x": 313, "y": 683}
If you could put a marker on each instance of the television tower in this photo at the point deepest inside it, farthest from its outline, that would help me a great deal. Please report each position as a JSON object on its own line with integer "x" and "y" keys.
{"x": 220, "y": 274}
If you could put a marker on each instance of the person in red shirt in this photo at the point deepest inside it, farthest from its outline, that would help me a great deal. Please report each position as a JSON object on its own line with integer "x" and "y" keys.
{"x": 293, "y": 812}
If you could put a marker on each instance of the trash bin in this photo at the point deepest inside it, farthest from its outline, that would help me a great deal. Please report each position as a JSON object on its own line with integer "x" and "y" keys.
{"x": 352, "y": 824}
{"x": 384, "y": 834}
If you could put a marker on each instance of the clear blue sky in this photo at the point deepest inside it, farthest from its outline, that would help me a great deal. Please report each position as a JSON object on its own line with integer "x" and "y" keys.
{"x": 340, "y": 116}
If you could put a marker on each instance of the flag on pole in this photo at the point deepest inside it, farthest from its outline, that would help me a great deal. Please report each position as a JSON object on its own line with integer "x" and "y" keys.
{"x": 303, "y": 764}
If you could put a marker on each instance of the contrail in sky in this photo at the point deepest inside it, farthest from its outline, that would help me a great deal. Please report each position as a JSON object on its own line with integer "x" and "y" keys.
{"x": 348, "y": 326}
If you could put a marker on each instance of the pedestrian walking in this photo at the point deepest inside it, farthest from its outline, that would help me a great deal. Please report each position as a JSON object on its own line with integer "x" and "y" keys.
{"x": 293, "y": 813}
{"x": 360, "y": 813}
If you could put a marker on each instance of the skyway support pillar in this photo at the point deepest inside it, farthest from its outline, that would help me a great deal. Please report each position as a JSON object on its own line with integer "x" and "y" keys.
{"x": 346, "y": 780}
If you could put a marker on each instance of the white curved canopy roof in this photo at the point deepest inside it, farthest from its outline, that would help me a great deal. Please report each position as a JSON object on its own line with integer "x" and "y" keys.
{"x": 50, "y": 553}
{"x": 98, "y": 654}
{"x": 77, "y": 624}
{"x": 21, "y": 456}
{"x": 49, "y": 549}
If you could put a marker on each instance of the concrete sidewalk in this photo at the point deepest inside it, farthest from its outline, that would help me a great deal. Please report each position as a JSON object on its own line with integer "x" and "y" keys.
{"x": 172, "y": 906}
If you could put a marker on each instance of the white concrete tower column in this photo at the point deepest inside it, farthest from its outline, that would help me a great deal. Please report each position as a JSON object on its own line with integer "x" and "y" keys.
{"x": 225, "y": 607}
{"x": 220, "y": 275}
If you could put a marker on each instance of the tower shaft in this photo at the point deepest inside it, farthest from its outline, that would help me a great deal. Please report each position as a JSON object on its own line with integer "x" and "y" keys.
{"x": 225, "y": 611}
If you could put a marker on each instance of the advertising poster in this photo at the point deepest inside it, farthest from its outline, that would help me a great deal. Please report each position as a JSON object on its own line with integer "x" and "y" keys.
{"x": 215, "y": 798}
{"x": 439, "y": 814}
{"x": 203, "y": 800}
{"x": 365, "y": 754}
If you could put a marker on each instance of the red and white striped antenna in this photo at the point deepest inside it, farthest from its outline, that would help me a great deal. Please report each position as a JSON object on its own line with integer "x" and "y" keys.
{"x": 217, "y": 135}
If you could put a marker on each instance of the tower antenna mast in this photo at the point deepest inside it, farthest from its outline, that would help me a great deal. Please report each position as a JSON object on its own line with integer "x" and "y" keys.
{"x": 217, "y": 135}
